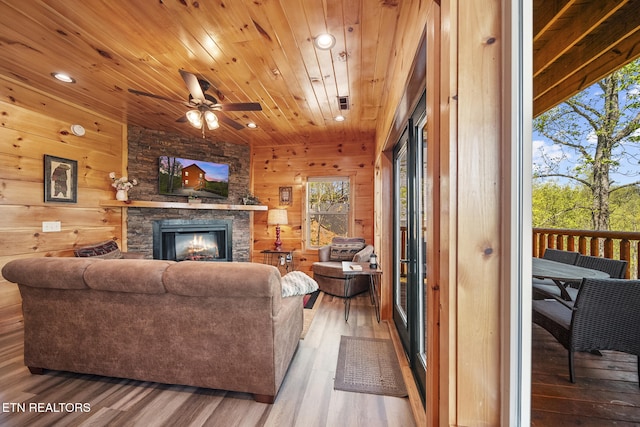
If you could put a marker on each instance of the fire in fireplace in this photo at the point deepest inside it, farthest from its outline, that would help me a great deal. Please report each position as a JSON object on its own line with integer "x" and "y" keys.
{"x": 194, "y": 240}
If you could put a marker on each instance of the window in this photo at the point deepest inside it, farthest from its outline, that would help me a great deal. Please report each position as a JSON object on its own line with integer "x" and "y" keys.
{"x": 328, "y": 209}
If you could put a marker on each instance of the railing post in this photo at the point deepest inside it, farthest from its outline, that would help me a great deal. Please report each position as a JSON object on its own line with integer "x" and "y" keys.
{"x": 551, "y": 241}
{"x": 571, "y": 243}
{"x": 595, "y": 246}
{"x": 582, "y": 245}
{"x": 608, "y": 248}
{"x": 625, "y": 254}
{"x": 541, "y": 246}
{"x": 638, "y": 259}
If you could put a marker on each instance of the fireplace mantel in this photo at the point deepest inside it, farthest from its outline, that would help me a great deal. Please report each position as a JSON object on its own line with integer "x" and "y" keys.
{"x": 179, "y": 205}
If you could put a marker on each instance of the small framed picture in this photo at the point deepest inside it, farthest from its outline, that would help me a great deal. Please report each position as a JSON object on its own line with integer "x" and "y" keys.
{"x": 60, "y": 180}
{"x": 285, "y": 196}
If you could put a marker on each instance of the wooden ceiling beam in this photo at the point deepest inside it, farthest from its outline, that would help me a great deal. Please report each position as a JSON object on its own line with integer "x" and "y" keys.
{"x": 573, "y": 27}
{"x": 618, "y": 55}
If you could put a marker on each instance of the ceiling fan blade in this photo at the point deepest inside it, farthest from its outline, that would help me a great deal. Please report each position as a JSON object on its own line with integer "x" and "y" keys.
{"x": 241, "y": 106}
{"x": 151, "y": 95}
{"x": 229, "y": 122}
{"x": 181, "y": 119}
{"x": 194, "y": 86}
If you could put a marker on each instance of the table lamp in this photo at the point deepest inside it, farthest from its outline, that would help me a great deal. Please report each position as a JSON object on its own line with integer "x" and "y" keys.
{"x": 277, "y": 217}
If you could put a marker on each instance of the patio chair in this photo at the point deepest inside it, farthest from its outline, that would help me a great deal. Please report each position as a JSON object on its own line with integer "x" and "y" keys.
{"x": 545, "y": 288}
{"x": 615, "y": 268}
{"x": 605, "y": 316}
{"x": 567, "y": 257}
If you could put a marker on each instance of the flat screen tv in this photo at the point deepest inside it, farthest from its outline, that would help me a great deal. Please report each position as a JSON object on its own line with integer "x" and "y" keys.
{"x": 187, "y": 177}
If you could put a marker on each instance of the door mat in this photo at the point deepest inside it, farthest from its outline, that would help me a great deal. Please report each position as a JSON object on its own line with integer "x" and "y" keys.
{"x": 369, "y": 365}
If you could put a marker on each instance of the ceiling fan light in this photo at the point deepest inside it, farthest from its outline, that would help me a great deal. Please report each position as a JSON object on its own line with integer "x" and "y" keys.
{"x": 195, "y": 118}
{"x": 212, "y": 120}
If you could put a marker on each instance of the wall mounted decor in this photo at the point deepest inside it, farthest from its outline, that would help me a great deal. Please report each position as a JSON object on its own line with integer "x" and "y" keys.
{"x": 286, "y": 196}
{"x": 60, "y": 180}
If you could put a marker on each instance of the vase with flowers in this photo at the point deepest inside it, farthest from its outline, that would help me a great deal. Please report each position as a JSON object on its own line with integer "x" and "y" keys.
{"x": 122, "y": 186}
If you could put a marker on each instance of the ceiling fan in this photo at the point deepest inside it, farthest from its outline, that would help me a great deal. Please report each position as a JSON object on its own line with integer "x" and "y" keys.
{"x": 203, "y": 105}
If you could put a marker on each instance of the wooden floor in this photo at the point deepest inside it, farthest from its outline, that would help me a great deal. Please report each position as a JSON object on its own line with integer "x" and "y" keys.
{"x": 605, "y": 393}
{"x": 306, "y": 397}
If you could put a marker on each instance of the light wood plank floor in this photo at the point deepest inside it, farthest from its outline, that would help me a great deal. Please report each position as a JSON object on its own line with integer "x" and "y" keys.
{"x": 306, "y": 397}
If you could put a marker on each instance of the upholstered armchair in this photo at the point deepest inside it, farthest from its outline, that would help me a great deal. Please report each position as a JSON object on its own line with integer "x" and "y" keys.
{"x": 328, "y": 270}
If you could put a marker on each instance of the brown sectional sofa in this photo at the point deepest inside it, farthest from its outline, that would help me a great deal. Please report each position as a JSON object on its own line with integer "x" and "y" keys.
{"x": 214, "y": 325}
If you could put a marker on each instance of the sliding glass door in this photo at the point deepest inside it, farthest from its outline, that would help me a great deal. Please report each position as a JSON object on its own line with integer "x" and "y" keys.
{"x": 410, "y": 225}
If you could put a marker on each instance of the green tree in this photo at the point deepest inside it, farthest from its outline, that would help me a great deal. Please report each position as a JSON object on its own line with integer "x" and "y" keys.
{"x": 595, "y": 128}
{"x": 560, "y": 206}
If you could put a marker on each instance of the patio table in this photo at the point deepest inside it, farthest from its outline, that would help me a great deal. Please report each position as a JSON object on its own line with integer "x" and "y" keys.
{"x": 560, "y": 273}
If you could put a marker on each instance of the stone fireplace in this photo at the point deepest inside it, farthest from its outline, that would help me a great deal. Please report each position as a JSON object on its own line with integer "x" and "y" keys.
{"x": 145, "y": 146}
{"x": 193, "y": 240}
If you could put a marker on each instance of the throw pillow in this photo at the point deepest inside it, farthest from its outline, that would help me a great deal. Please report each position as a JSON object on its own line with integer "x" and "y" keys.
{"x": 345, "y": 248}
{"x": 108, "y": 250}
{"x": 297, "y": 283}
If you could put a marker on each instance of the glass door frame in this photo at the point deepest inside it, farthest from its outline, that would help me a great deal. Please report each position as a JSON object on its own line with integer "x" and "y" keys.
{"x": 411, "y": 325}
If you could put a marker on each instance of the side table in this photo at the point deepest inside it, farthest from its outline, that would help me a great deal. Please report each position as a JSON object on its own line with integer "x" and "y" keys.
{"x": 353, "y": 269}
{"x": 283, "y": 258}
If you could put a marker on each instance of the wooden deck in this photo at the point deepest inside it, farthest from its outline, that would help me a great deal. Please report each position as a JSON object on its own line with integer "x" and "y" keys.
{"x": 606, "y": 391}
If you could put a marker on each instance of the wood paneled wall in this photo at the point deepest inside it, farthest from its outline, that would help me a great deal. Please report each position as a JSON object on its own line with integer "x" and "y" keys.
{"x": 34, "y": 124}
{"x": 275, "y": 167}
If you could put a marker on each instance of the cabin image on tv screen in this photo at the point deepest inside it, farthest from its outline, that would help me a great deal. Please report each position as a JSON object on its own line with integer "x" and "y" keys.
{"x": 193, "y": 178}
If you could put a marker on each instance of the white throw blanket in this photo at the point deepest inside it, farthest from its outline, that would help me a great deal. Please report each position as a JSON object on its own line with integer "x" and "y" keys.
{"x": 297, "y": 283}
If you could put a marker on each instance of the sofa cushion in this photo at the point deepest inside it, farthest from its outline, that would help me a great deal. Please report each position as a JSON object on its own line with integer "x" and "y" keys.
{"x": 297, "y": 283}
{"x": 49, "y": 272}
{"x": 108, "y": 250}
{"x": 143, "y": 276}
{"x": 222, "y": 279}
{"x": 344, "y": 248}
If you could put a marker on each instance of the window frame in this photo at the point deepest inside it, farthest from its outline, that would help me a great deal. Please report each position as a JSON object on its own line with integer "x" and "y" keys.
{"x": 306, "y": 240}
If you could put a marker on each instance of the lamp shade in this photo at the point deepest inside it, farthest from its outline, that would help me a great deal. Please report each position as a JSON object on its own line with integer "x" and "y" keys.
{"x": 277, "y": 217}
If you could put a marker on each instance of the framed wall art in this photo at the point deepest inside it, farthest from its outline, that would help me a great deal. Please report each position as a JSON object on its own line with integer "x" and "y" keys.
{"x": 285, "y": 196}
{"x": 60, "y": 180}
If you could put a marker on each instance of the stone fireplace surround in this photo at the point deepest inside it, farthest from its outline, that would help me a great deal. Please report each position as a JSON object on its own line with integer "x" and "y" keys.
{"x": 145, "y": 146}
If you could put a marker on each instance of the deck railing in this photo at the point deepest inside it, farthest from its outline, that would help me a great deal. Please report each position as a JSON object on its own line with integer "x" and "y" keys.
{"x": 608, "y": 244}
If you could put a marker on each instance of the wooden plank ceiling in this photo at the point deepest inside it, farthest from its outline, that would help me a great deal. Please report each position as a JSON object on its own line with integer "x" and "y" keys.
{"x": 577, "y": 42}
{"x": 262, "y": 51}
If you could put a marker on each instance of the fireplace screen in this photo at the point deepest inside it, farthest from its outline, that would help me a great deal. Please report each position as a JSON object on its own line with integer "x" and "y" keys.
{"x": 199, "y": 246}
{"x": 192, "y": 240}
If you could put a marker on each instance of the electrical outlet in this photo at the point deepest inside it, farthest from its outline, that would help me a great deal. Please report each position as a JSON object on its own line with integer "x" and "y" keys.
{"x": 50, "y": 226}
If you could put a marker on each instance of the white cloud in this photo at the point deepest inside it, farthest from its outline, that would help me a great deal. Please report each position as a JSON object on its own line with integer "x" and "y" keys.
{"x": 543, "y": 149}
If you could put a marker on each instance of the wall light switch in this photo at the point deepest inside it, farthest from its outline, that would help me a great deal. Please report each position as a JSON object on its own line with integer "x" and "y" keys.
{"x": 50, "y": 226}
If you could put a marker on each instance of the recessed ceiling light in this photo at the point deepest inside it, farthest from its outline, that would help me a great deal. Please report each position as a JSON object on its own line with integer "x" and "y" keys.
{"x": 252, "y": 125}
{"x": 63, "y": 77}
{"x": 339, "y": 119}
{"x": 324, "y": 41}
